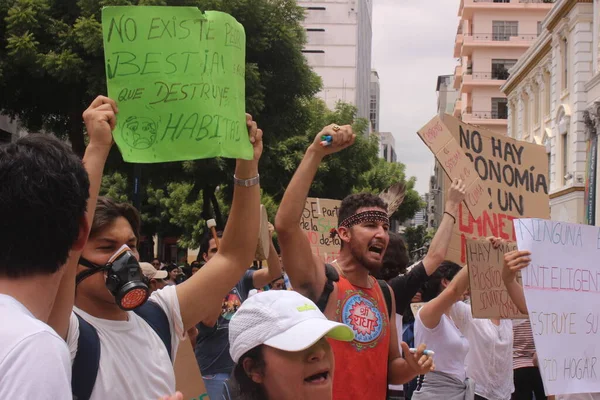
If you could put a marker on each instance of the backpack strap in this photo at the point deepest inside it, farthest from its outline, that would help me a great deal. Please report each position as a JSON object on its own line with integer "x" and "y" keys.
{"x": 387, "y": 295}
{"x": 156, "y": 317}
{"x": 87, "y": 361}
{"x": 332, "y": 276}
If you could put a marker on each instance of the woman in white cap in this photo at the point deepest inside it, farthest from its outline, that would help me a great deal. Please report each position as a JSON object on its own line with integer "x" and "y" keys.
{"x": 278, "y": 340}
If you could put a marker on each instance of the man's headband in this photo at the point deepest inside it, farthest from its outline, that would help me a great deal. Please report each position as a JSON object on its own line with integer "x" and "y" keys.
{"x": 365, "y": 216}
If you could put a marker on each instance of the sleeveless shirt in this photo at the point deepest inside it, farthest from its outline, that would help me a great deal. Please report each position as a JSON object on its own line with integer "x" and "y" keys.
{"x": 361, "y": 366}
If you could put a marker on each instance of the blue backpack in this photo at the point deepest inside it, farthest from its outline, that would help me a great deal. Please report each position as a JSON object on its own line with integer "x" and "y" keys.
{"x": 87, "y": 360}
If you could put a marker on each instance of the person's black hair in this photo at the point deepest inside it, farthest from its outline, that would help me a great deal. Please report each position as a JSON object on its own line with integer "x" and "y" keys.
{"x": 433, "y": 287}
{"x": 395, "y": 260}
{"x": 242, "y": 384}
{"x": 206, "y": 241}
{"x": 195, "y": 264}
{"x": 44, "y": 190}
{"x": 354, "y": 202}
{"x": 170, "y": 267}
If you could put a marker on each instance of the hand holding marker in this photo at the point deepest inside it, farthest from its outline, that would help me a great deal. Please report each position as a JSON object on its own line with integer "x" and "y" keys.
{"x": 326, "y": 140}
{"x": 428, "y": 353}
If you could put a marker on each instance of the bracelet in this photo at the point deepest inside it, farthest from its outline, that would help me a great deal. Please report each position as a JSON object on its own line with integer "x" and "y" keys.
{"x": 452, "y": 216}
{"x": 246, "y": 182}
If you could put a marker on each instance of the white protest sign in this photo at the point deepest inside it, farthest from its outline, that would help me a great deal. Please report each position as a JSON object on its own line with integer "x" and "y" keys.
{"x": 562, "y": 291}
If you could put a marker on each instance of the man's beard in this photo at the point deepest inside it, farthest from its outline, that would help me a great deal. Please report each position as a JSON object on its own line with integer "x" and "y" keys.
{"x": 360, "y": 256}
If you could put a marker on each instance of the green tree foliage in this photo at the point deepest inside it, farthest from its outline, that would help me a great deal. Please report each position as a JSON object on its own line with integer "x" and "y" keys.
{"x": 52, "y": 66}
{"x": 416, "y": 238}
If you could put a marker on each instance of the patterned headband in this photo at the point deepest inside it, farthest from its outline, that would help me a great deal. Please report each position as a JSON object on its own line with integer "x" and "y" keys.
{"x": 365, "y": 216}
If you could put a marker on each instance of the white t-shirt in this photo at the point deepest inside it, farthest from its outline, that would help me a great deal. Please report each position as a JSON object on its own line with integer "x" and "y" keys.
{"x": 448, "y": 343}
{"x": 34, "y": 360}
{"x": 489, "y": 361}
{"x": 134, "y": 363}
{"x": 399, "y": 334}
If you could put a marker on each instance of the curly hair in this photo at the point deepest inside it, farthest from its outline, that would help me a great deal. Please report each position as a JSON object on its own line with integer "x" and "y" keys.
{"x": 433, "y": 287}
{"x": 43, "y": 200}
{"x": 354, "y": 202}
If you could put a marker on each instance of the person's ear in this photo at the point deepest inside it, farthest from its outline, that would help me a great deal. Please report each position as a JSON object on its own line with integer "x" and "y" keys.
{"x": 205, "y": 257}
{"x": 344, "y": 234}
{"x": 82, "y": 237}
{"x": 445, "y": 283}
{"x": 252, "y": 370}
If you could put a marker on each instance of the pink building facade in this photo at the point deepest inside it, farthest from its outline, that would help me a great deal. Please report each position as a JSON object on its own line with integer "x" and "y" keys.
{"x": 491, "y": 36}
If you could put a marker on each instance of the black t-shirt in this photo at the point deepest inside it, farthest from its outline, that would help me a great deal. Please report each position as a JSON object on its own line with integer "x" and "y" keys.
{"x": 406, "y": 286}
{"x": 212, "y": 343}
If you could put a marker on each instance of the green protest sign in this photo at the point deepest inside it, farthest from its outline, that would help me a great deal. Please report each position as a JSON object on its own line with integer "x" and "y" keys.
{"x": 177, "y": 75}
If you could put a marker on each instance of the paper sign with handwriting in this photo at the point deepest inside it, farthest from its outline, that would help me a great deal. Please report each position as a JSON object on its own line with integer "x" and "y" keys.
{"x": 320, "y": 216}
{"x": 177, "y": 75}
{"x": 515, "y": 175}
{"x": 456, "y": 164}
{"x": 562, "y": 291}
{"x": 489, "y": 298}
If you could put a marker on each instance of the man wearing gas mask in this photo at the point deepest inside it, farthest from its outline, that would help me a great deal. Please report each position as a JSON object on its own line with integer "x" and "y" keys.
{"x": 122, "y": 354}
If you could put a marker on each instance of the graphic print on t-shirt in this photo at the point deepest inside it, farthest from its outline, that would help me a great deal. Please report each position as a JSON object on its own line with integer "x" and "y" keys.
{"x": 360, "y": 312}
{"x": 231, "y": 303}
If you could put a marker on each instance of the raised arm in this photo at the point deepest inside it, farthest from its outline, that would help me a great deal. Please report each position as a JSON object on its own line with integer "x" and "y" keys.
{"x": 306, "y": 272}
{"x": 264, "y": 276}
{"x": 515, "y": 261}
{"x": 441, "y": 241}
{"x": 203, "y": 293}
{"x": 99, "y": 120}
{"x": 432, "y": 312}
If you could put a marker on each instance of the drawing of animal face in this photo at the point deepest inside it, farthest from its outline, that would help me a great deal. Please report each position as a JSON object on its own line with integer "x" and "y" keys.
{"x": 139, "y": 132}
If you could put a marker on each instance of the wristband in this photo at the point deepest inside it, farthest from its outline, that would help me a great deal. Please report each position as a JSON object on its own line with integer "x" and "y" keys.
{"x": 246, "y": 182}
{"x": 451, "y": 216}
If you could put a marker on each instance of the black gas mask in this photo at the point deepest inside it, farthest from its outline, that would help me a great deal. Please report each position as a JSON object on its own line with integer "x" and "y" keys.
{"x": 124, "y": 278}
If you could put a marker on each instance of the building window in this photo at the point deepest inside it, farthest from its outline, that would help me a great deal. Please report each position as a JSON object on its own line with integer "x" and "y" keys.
{"x": 499, "y": 108}
{"x": 503, "y": 30}
{"x": 316, "y": 8}
{"x": 314, "y": 51}
{"x": 500, "y": 68}
{"x": 315, "y": 30}
{"x": 539, "y": 28}
{"x": 565, "y": 62}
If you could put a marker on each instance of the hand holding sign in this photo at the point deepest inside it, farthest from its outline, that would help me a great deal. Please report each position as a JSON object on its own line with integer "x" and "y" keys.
{"x": 340, "y": 137}
{"x": 514, "y": 261}
{"x": 255, "y": 135}
{"x": 100, "y": 120}
{"x": 456, "y": 194}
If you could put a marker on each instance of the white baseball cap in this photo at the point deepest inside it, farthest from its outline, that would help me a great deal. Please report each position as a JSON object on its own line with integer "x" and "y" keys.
{"x": 282, "y": 319}
{"x": 152, "y": 273}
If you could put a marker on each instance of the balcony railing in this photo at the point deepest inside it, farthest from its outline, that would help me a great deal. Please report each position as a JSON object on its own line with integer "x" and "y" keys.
{"x": 501, "y": 37}
{"x": 500, "y": 114}
{"x": 500, "y": 75}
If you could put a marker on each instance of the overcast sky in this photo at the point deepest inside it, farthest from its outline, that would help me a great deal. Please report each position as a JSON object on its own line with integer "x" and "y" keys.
{"x": 413, "y": 42}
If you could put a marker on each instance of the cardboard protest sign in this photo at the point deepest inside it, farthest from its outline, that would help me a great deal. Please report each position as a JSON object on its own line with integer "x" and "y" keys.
{"x": 177, "y": 75}
{"x": 318, "y": 218}
{"x": 562, "y": 288}
{"x": 489, "y": 298}
{"x": 515, "y": 175}
{"x": 455, "y": 163}
{"x": 188, "y": 379}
